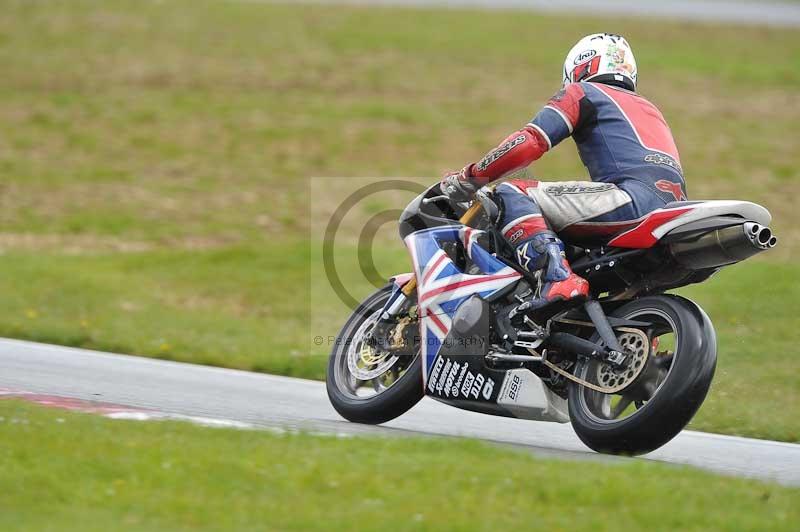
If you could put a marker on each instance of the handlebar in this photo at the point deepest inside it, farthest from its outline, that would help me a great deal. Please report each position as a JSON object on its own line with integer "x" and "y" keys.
{"x": 480, "y": 197}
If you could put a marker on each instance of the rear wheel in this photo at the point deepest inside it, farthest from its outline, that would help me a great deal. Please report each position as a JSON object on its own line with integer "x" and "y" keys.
{"x": 369, "y": 385}
{"x": 672, "y": 365}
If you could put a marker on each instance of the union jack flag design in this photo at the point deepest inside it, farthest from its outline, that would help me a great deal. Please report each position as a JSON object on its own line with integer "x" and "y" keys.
{"x": 442, "y": 287}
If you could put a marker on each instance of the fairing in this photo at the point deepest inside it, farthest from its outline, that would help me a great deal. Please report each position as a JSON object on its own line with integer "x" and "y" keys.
{"x": 442, "y": 287}
{"x": 455, "y": 323}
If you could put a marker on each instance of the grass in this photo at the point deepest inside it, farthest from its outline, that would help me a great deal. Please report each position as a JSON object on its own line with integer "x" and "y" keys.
{"x": 174, "y": 476}
{"x": 755, "y": 310}
{"x": 158, "y": 158}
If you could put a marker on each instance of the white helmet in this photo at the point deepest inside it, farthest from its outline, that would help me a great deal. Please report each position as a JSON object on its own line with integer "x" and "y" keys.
{"x": 602, "y": 57}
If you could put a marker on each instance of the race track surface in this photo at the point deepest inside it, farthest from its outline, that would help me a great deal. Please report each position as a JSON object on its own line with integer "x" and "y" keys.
{"x": 281, "y": 402}
{"x": 749, "y": 12}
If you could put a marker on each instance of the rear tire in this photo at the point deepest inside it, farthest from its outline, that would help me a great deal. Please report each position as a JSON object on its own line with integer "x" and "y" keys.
{"x": 390, "y": 402}
{"x": 676, "y": 399}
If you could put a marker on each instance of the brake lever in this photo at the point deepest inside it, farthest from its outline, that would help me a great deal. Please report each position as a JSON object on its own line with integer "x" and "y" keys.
{"x": 435, "y": 199}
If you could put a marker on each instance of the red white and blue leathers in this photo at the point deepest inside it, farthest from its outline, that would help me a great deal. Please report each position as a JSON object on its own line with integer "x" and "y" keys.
{"x": 628, "y": 150}
{"x": 622, "y": 139}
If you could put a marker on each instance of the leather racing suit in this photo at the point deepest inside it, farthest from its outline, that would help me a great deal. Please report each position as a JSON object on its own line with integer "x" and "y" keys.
{"x": 634, "y": 165}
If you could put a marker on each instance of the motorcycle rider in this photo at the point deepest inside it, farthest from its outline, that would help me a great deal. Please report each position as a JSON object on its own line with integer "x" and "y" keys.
{"x": 625, "y": 144}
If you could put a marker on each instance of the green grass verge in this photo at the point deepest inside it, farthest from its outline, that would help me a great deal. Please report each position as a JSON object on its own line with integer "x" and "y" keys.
{"x": 65, "y": 471}
{"x": 755, "y": 391}
{"x": 156, "y": 161}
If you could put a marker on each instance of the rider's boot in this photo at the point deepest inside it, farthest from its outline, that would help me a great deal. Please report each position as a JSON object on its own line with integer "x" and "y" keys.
{"x": 544, "y": 253}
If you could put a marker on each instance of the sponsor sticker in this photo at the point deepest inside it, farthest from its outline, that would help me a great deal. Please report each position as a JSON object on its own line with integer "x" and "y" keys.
{"x": 440, "y": 384}
{"x": 487, "y": 389}
{"x": 434, "y": 376}
{"x": 451, "y": 377}
{"x": 589, "y": 188}
{"x": 459, "y": 382}
{"x": 469, "y": 379}
{"x": 500, "y": 151}
{"x": 585, "y": 56}
{"x": 511, "y": 388}
{"x": 515, "y": 235}
{"x": 477, "y": 385}
{"x": 671, "y": 188}
{"x": 660, "y": 158}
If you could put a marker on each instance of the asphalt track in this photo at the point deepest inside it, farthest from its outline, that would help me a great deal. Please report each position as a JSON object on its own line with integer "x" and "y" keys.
{"x": 769, "y": 13}
{"x": 243, "y": 399}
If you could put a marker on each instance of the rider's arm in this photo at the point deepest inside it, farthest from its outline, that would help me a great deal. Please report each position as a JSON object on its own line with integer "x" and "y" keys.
{"x": 555, "y": 122}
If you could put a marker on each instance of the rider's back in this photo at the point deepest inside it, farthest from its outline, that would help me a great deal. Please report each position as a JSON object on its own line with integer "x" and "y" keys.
{"x": 620, "y": 135}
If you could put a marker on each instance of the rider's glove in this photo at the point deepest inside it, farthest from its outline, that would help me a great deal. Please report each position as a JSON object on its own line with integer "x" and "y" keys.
{"x": 457, "y": 185}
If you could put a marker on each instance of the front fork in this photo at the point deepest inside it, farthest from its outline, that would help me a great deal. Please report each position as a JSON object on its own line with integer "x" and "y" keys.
{"x": 389, "y": 317}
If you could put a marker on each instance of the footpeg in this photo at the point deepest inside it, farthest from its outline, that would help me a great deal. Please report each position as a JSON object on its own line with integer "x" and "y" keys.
{"x": 530, "y": 339}
{"x": 519, "y": 309}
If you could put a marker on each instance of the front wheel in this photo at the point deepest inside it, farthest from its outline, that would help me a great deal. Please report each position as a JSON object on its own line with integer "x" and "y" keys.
{"x": 370, "y": 386}
{"x": 678, "y": 352}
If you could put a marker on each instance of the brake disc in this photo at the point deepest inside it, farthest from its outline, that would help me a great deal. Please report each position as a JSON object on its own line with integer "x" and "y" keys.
{"x": 638, "y": 349}
{"x": 636, "y": 345}
{"x": 364, "y": 361}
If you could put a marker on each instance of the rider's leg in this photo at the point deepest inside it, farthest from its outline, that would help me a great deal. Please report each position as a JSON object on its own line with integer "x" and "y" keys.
{"x": 538, "y": 248}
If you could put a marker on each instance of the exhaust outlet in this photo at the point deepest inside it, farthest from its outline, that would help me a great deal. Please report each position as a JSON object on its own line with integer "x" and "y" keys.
{"x": 760, "y": 236}
{"x": 723, "y": 246}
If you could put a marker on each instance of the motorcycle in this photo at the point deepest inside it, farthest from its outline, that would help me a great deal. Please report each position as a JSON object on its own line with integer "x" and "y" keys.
{"x": 628, "y": 367}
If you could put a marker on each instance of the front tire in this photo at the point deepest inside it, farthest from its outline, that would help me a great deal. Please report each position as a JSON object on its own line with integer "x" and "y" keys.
{"x": 681, "y": 380}
{"x": 386, "y": 403}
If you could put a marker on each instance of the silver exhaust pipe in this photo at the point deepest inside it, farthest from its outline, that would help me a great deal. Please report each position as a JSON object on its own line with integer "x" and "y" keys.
{"x": 758, "y": 235}
{"x": 724, "y": 246}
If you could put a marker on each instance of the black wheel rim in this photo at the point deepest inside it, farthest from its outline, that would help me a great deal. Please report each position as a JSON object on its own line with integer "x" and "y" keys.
{"x": 662, "y": 349}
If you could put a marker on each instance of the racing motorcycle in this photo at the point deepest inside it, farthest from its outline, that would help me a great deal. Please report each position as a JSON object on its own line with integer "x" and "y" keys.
{"x": 628, "y": 367}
